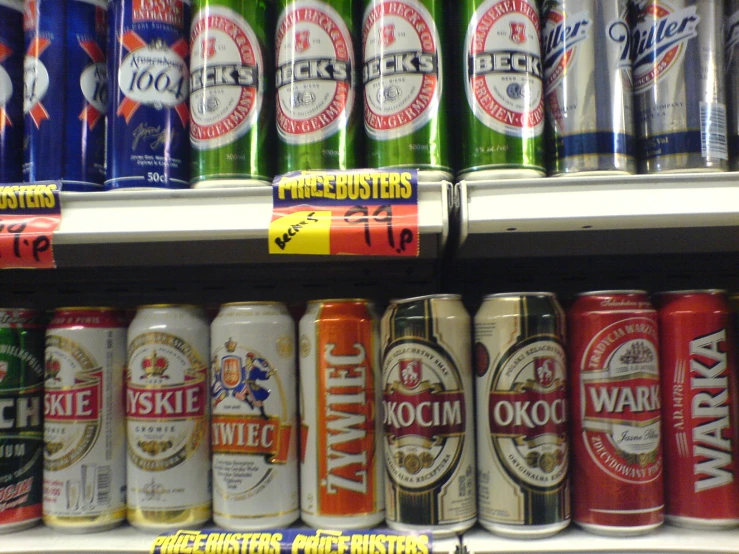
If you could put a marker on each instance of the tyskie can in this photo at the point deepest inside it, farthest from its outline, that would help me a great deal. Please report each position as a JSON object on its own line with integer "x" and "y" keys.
{"x": 523, "y": 446}
{"x": 316, "y": 83}
{"x": 587, "y": 86}
{"x": 65, "y": 98}
{"x": 404, "y": 45}
{"x": 617, "y": 486}
{"x": 12, "y": 51}
{"x": 341, "y": 471}
{"x": 254, "y": 426}
{"x": 503, "y": 119}
{"x": 148, "y": 112}
{"x": 429, "y": 415}
{"x": 700, "y": 409}
{"x": 84, "y": 421}
{"x": 731, "y": 65}
{"x": 678, "y": 72}
{"x": 167, "y": 410}
{"x": 21, "y": 417}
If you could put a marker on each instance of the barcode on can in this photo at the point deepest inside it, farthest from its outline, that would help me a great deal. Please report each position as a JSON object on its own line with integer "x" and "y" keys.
{"x": 713, "y": 131}
{"x": 104, "y": 479}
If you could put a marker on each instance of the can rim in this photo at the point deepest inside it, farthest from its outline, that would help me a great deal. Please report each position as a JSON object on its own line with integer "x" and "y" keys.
{"x": 518, "y": 294}
{"x": 148, "y": 306}
{"x": 341, "y": 300}
{"x": 440, "y": 296}
{"x": 253, "y": 303}
{"x": 86, "y": 308}
{"x": 611, "y": 291}
{"x": 692, "y": 291}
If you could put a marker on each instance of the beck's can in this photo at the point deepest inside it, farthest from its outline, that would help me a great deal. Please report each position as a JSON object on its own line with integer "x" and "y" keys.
{"x": 429, "y": 415}
{"x": 341, "y": 471}
{"x": 616, "y": 413}
{"x": 254, "y": 423}
{"x": 700, "y": 409}
{"x": 11, "y": 92}
{"x": 731, "y": 65}
{"x": 167, "y": 409}
{"x": 84, "y": 425}
{"x": 522, "y": 425}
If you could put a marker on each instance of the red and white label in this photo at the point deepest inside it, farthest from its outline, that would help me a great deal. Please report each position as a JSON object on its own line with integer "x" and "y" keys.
{"x": 171, "y": 12}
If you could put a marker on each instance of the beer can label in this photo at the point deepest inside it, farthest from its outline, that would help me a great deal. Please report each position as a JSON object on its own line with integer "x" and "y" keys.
{"x": 731, "y": 45}
{"x": 11, "y": 95}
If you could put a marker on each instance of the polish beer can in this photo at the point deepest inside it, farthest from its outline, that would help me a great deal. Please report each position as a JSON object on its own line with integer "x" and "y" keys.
{"x": 254, "y": 423}
{"x": 84, "y": 424}
{"x": 12, "y": 51}
{"x": 700, "y": 409}
{"x": 731, "y": 64}
{"x": 617, "y": 486}
{"x": 167, "y": 411}
{"x": 429, "y": 415}
{"x": 341, "y": 471}
{"x": 523, "y": 445}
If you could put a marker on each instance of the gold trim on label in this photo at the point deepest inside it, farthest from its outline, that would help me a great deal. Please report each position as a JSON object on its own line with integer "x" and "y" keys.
{"x": 254, "y": 303}
{"x": 295, "y": 511}
{"x": 98, "y": 522}
{"x": 86, "y": 309}
{"x": 195, "y": 515}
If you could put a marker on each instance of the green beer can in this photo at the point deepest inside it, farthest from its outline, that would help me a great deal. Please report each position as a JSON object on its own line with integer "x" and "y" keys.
{"x": 231, "y": 101}
{"x": 503, "y": 118}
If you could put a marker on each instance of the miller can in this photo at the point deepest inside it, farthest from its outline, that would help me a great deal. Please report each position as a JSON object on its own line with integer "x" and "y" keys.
{"x": 503, "y": 119}
{"x": 316, "y": 85}
{"x": 341, "y": 472}
{"x": 678, "y": 72}
{"x": 65, "y": 99}
{"x": 84, "y": 425}
{"x": 523, "y": 446}
{"x": 700, "y": 409}
{"x": 731, "y": 65}
{"x": 167, "y": 410}
{"x": 12, "y": 51}
{"x": 148, "y": 112}
{"x": 21, "y": 419}
{"x": 405, "y": 108}
{"x": 429, "y": 415}
{"x": 617, "y": 484}
{"x": 587, "y": 86}
{"x": 254, "y": 423}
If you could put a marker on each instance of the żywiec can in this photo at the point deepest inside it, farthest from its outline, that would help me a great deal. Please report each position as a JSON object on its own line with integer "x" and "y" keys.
{"x": 429, "y": 415}
{"x": 12, "y": 50}
{"x": 254, "y": 423}
{"x": 617, "y": 484}
{"x": 316, "y": 85}
{"x": 21, "y": 417}
{"x": 731, "y": 64}
{"x": 405, "y": 107}
{"x": 587, "y": 86}
{"x": 523, "y": 446}
{"x": 84, "y": 424}
{"x": 678, "y": 72}
{"x": 341, "y": 472}
{"x": 167, "y": 410}
{"x": 65, "y": 98}
{"x": 148, "y": 112}
{"x": 503, "y": 120}
{"x": 700, "y": 409}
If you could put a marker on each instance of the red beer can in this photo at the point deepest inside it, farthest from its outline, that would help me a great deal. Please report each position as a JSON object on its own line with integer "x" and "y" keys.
{"x": 616, "y": 413}
{"x": 700, "y": 409}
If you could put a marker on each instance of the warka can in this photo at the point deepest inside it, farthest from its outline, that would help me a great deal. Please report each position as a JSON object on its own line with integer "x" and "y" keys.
{"x": 12, "y": 52}
{"x": 731, "y": 64}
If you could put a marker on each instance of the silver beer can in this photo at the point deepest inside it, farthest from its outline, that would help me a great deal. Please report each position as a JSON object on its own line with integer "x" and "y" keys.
{"x": 731, "y": 65}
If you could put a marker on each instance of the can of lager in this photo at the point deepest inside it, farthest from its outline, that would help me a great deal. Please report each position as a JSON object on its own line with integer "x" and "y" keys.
{"x": 21, "y": 426}
{"x": 231, "y": 96}
{"x": 12, "y": 50}
{"x": 678, "y": 70}
{"x": 84, "y": 425}
{"x": 341, "y": 472}
{"x": 316, "y": 85}
{"x": 522, "y": 416}
{"x": 429, "y": 415}
{"x": 731, "y": 65}
{"x": 254, "y": 423}
{"x": 167, "y": 410}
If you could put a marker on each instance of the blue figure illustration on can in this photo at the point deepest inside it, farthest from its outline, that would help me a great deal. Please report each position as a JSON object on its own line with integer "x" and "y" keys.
{"x": 242, "y": 381}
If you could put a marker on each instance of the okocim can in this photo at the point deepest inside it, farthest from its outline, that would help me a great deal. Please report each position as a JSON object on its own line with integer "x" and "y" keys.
{"x": 616, "y": 413}
{"x": 12, "y": 51}
{"x": 700, "y": 409}
{"x": 84, "y": 425}
{"x": 167, "y": 410}
{"x": 341, "y": 472}
{"x": 254, "y": 422}
{"x": 429, "y": 415}
{"x": 731, "y": 65}
{"x": 523, "y": 446}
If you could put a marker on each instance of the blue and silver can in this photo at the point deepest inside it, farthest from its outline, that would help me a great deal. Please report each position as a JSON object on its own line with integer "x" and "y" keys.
{"x": 148, "y": 114}
{"x": 11, "y": 95}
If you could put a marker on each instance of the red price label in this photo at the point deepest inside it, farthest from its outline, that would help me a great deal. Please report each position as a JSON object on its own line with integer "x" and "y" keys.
{"x": 383, "y": 230}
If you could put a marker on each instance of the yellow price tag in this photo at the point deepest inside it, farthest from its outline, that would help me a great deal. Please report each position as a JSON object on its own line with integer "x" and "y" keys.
{"x": 306, "y": 232}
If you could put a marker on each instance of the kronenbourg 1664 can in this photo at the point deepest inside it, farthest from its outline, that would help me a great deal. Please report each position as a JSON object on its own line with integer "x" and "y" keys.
{"x": 731, "y": 61}
{"x": 12, "y": 50}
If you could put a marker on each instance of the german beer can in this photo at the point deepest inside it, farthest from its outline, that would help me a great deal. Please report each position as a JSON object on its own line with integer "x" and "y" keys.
{"x": 65, "y": 83}
{"x": 731, "y": 64}
{"x": 254, "y": 423}
{"x": 84, "y": 425}
{"x": 523, "y": 488}
{"x": 148, "y": 112}
{"x": 12, "y": 51}
{"x": 21, "y": 417}
{"x": 700, "y": 409}
{"x": 429, "y": 415}
{"x": 616, "y": 413}
{"x": 167, "y": 410}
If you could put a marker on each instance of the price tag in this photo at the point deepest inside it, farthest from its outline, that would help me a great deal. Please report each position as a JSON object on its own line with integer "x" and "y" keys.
{"x": 363, "y": 212}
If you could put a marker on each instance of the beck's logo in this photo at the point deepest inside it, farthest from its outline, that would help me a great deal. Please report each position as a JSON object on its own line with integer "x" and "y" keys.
{"x": 302, "y": 41}
{"x": 387, "y": 34}
{"x": 518, "y": 33}
{"x": 155, "y": 366}
{"x": 410, "y": 373}
{"x": 208, "y": 47}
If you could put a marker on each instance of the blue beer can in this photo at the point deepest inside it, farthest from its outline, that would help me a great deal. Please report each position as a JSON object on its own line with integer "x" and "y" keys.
{"x": 148, "y": 115}
{"x": 65, "y": 92}
{"x": 11, "y": 93}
